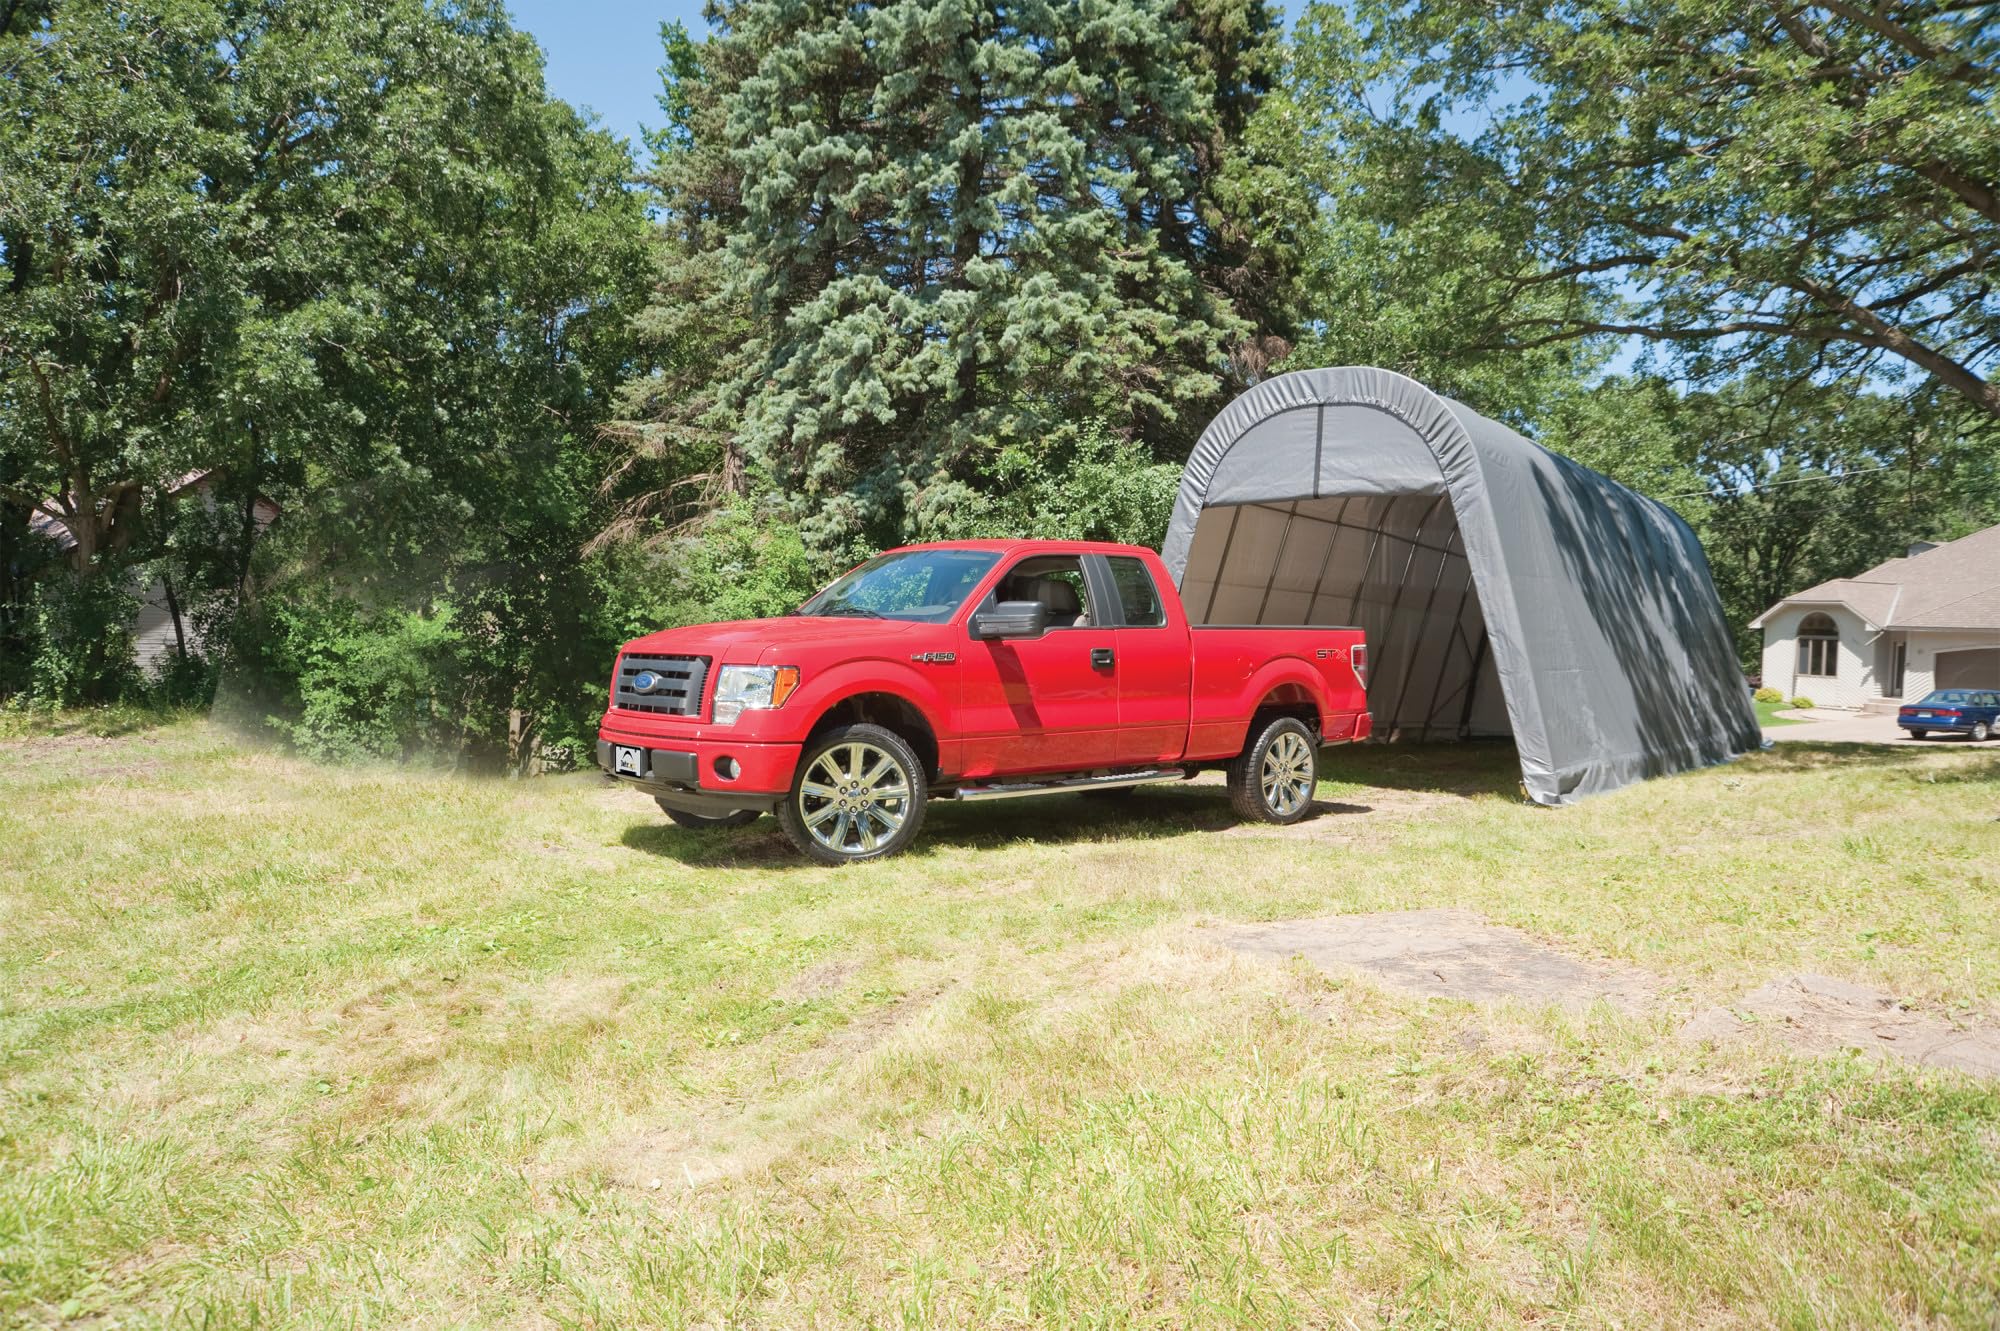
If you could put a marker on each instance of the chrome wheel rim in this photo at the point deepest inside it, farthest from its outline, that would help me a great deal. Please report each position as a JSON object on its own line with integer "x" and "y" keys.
{"x": 1287, "y": 774}
{"x": 854, "y": 797}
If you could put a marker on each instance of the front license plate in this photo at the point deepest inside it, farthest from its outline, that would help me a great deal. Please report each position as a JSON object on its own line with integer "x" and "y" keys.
{"x": 630, "y": 761}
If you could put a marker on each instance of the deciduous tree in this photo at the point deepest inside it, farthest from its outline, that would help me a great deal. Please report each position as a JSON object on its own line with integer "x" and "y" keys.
{"x": 349, "y": 254}
{"x": 1723, "y": 179}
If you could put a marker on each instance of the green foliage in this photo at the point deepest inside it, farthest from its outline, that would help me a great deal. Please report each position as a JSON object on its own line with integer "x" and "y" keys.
{"x": 1089, "y": 487}
{"x": 351, "y": 258}
{"x": 1393, "y": 274}
{"x": 80, "y": 628}
{"x": 1801, "y": 482}
{"x": 953, "y": 228}
{"x": 1802, "y": 703}
{"x": 367, "y": 685}
{"x": 1768, "y": 695}
{"x": 744, "y": 562}
{"x": 1729, "y": 180}
{"x": 930, "y": 269}
{"x": 1465, "y": 213}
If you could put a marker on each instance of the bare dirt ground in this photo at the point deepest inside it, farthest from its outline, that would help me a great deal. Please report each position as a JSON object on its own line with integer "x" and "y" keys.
{"x": 1455, "y": 954}
{"x": 1816, "y": 1014}
{"x": 1446, "y": 954}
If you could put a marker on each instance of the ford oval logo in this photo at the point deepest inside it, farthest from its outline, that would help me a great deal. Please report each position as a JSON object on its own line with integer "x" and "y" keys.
{"x": 646, "y": 681}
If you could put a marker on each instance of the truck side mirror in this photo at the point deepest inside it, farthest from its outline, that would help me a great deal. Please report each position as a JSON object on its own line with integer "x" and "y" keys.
{"x": 1011, "y": 619}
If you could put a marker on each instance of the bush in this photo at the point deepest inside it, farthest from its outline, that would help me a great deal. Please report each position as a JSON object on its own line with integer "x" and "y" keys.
{"x": 1802, "y": 703}
{"x": 744, "y": 562}
{"x": 364, "y": 683}
{"x": 183, "y": 681}
{"x": 80, "y": 636}
{"x": 1768, "y": 695}
{"x": 1086, "y": 485}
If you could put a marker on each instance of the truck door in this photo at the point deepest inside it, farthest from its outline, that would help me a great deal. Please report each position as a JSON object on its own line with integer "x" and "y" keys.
{"x": 1151, "y": 660}
{"x": 1047, "y": 704}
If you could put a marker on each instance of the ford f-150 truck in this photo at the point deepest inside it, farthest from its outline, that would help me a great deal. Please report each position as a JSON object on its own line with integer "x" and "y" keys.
{"x": 974, "y": 670}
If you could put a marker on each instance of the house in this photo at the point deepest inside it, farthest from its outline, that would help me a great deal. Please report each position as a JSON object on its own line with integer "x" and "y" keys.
{"x": 1930, "y": 620}
{"x": 160, "y": 626}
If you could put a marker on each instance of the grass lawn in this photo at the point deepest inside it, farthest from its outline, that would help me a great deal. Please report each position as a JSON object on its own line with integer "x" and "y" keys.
{"x": 1767, "y": 714}
{"x": 287, "y": 1045}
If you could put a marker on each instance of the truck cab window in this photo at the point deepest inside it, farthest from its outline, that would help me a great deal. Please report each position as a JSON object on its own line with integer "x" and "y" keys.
{"x": 1054, "y": 580}
{"x": 1137, "y": 595}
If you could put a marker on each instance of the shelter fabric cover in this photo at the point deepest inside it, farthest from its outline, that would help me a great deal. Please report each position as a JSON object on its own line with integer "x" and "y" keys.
{"x": 1603, "y": 623}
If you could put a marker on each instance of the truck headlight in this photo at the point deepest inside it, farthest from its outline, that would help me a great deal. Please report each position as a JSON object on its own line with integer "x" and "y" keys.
{"x": 740, "y": 689}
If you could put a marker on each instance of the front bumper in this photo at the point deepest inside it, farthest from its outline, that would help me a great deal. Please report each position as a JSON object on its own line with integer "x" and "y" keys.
{"x": 705, "y": 775}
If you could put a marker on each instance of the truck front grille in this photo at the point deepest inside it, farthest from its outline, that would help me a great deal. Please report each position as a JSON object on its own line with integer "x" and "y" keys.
{"x": 676, "y": 689}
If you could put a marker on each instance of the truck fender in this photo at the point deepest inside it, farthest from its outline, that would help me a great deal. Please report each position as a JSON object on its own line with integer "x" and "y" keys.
{"x": 823, "y": 693}
{"x": 1274, "y": 675}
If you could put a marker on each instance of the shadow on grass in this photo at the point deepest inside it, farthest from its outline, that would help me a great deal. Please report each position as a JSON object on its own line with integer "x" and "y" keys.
{"x": 112, "y": 721}
{"x": 1471, "y": 768}
{"x": 1818, "y": 755}
{"x": 1813, "y": 754}
{"x": 1147, "y": 813}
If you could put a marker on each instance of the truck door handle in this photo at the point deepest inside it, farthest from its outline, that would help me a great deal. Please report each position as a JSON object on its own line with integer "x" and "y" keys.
{"x": 1101, "y": 658}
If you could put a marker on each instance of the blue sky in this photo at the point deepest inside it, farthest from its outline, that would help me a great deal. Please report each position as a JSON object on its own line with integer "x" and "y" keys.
{"x": 606, "y": 56}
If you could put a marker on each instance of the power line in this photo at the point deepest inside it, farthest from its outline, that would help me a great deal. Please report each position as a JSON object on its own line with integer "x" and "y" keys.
{"x": 1796, "y": 480}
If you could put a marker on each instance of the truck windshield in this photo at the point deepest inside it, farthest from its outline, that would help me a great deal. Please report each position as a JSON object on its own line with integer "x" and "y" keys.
{"x": 921, "y": 585}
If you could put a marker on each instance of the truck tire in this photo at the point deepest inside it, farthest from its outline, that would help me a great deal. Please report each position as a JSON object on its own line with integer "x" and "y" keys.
{"x": 1272, "y": 781}
{"x": 709, "y": 822}
{"x": 859, "y": 794}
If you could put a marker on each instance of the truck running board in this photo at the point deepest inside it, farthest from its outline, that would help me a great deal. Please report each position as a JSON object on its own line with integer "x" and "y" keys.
{"x": 1069, "y": 785}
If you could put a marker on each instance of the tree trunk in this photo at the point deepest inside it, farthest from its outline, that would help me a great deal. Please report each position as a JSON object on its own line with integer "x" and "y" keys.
{"x": 247, "y": 532}
{"x": 174, "y": 613}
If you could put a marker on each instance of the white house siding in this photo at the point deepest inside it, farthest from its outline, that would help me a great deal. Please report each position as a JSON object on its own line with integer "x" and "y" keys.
{"x": 1925, "y": 644}
{"x": 153, "y": 638}
{"x": 1856, "y": 681}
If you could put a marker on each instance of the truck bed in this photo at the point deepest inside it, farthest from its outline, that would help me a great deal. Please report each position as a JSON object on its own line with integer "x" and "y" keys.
{"x": 1226, "y": 657}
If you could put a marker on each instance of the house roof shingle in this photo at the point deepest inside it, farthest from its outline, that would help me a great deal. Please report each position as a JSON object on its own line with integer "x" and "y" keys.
{"x": 1952, "y": 586}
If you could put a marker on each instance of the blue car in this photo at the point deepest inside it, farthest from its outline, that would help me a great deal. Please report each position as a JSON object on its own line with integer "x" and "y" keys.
{"x": 1974, "y": 712}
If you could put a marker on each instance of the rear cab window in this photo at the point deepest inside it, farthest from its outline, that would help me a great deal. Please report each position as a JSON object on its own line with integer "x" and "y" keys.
{"x": 1138, "y": 598}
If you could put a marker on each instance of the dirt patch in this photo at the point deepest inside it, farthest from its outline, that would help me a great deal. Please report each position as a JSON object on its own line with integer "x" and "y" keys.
{"x": 1445, "y": 954}
{"x": 1328, "y": 821}
{"x": 1816, "y": 1014}
{"x": 818, "y": 980}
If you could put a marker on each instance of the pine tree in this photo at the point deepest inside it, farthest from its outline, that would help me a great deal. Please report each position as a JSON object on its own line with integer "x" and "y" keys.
{"x": 958, "y": 225}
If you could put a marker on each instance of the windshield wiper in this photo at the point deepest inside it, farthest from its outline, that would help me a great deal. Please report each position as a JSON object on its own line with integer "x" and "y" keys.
{"x": 860, "y": 612}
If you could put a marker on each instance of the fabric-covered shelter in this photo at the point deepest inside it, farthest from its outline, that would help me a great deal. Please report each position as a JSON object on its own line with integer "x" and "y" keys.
{"x": 1504, "y": 590}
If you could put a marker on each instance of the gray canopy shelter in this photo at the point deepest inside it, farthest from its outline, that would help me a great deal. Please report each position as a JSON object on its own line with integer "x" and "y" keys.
{"x": 1504, "y": 590}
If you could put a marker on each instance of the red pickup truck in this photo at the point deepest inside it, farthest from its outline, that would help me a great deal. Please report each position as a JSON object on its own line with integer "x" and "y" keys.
{"x": 974, "y": 670}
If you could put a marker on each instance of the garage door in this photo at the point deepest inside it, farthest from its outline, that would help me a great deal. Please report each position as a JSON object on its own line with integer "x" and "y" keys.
{"x": 1969, "y": 670}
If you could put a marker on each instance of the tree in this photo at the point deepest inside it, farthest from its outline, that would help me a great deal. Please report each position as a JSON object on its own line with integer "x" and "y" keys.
{"x": 1807, "y": 481}
{"x": 1388, "y": 274}
{"x": 952, "y": 226}
{"x": 1788, "y": 479}
{"x": 1726, "y": 180}
{"x": 348, "y": 254}
{"x": 678, "y": 457}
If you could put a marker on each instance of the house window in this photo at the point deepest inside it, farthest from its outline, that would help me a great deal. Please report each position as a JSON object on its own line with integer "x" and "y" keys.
{"x": 1819, "y": 647}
